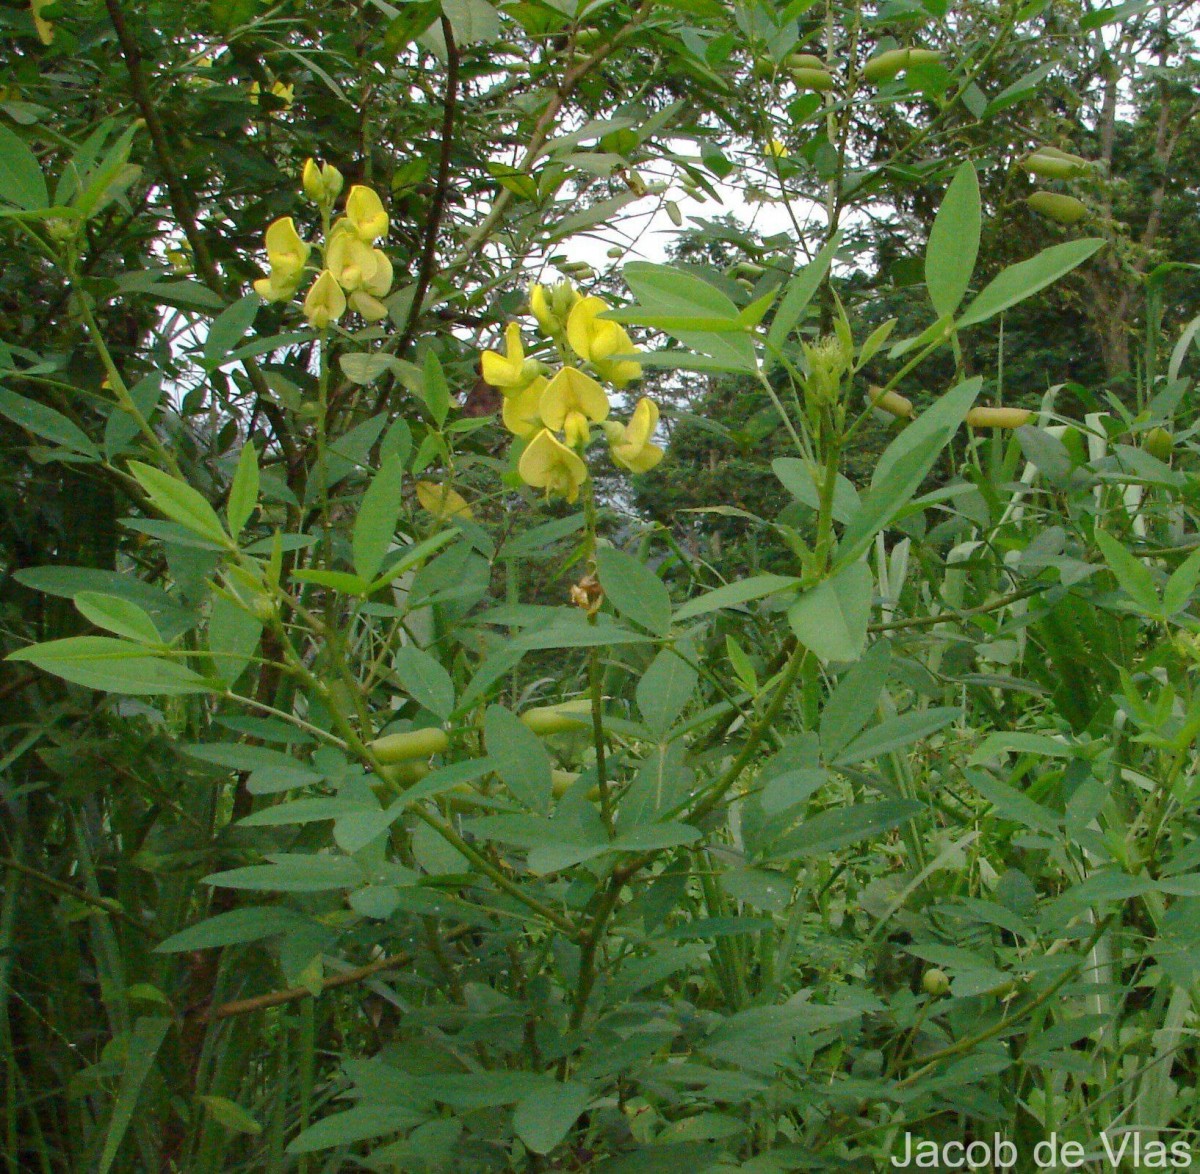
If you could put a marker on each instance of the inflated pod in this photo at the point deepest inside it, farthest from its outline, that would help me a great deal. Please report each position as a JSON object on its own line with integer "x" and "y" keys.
{"x": 410, "y": 745}
{"x": 1159, "y": 443}
{"x": 1057, "y": 207}
{"x": 558, "y": 719}
{"x": 886, "y": 65}
{"x": 998, "y": 417}
{"x": 804, "y": 61}
{"x": 812, "y": 79}
{"x": 892, "y": 402}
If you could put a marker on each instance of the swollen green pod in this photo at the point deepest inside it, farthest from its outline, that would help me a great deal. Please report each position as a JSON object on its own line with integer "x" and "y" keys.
{"x": 410, "y": 745}
{"x": 1057, "y": 207}
{"x": 812, "y": 79}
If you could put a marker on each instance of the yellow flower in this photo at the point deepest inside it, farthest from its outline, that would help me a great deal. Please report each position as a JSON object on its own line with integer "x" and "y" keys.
{"x": 287, "y": 255}
{"x": 630, "y": 443}
{"x": 551, "y": 310}
{"x": 285, "y": 93}
{"x": 322, "y": 184}
{"x": 776, "y": 149}
{"x": 548, "y": 464}
{"x": 442, "y": 501}
{"x": 569, "y": 401}
{"x": 512, "y": 371}
{"x": 325, "y": 302}
{"x": 365, "y": 212}
{"x": 351, "y": 261}
{"x": 45, "y": 28}
{"x": 595, "y": 340}
{"x": 520, "y": 409}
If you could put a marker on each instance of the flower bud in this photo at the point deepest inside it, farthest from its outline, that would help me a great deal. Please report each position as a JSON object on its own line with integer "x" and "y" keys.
{"x": 322, "y": 184}
{"x": 998, "y": 417}
{"x": 1057, "y": 207}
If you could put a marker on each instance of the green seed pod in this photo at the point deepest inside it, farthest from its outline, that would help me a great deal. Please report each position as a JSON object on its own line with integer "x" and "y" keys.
{"x": 748, "y": 269}
{"x": 998, "y": 417}
{"x": 558, "y": 719}
{"x": 1159, "y": 443}
{"x": 1051, "y": 166}
{"x": 884, "y": 66}
{"x": 1057, "y": 207}
{"x": 1078, "y": 160}
{"x": 892, "y": 402}
{"x": 745, "y": 284}
{"x": 587, "y": 38}
{"x": 674, "y": 213}
{"x": 412, "y": 744}
{"x": 923, "y": 57}
{"x": 812, "y": 79}
{"x": 936, "y": 983}
{"x": 764, "y": 67}
{"x": 804, "y": 61}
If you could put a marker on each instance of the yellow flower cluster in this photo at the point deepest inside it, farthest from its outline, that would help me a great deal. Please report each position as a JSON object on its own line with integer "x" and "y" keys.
{"x": 536, "y": 409}
{"x": 355, "y": 274}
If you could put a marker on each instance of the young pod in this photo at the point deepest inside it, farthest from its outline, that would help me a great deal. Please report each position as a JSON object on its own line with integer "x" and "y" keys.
{"x": 1159, "y": 443}
{"x": 884, "y": 66}
{"x": 748, "y": 269}
{"x": 812, "y": 79}
{"x": 936, "y": 983}
{"x": 558, "y": 719}
{"x": 764, "y": 68}
{"x": 410, "y": 745}
{"x": 923, "y": 57}
{"x": 1051, "y": 166}
{"x": 998, "y": 417}
{"x": 1057, "y": 207}
{"x": 892, "y": 402}
{"x": 804, "y": 61}
{"x": 1054, "y": 152}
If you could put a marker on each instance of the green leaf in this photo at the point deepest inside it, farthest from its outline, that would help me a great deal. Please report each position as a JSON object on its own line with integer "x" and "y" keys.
{"x": 665, "y": 689}
{"x": 21, "y": 179}
{"x": 800, "y": 292}
{"x": 634, "y": 590}
{"x": 953, "y": 242}
{"x": 233, "y": 636}
{"x": 794, "y": 475}
{"x": 357, "y": 1124}
{"x": 1133, "y": 576}
{"x": 1024, "y": 279}
{"x": 363, "y": 368}
{"x": 573, "y": 631}
{"x": 843, "y": 826}
{"x": 437, "y": 390}
{"x": 671, "y": 292}
{"x": 120, "y": 616}
{"x": 114, "y": 666}
{"x": 229, "y": 328}
{"x": 520, "y": 758}
{"x": 896, "y": 733}
{"x": 243, "y": 493}
{"x": 904, "y": 465}
{"x": 544, "y": 1117}
{"x": 735, "y": 594}
{"x": 230, "y": 1115}
{"x": 231, "y": 929}
{"x": 831, "y": 618}
{"x": 375, "y": 526}
{"x": 180, "y": 502}
{"x": 473, "y": 21}
{"x": 1011, "y": 804}
{"x": 424, "y": 679}
{"x": 1181, "y": 584}
{"x": 143, "y": 1043}
{"x": 292, "y": 873}
{"x": 46, "y": 422}
{"x": 853, "y": 701}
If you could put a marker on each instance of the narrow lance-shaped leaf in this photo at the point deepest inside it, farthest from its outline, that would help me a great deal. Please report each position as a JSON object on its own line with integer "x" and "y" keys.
{"x": 953, "y": 242}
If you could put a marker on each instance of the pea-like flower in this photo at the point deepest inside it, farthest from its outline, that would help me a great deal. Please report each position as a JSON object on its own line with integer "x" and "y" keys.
{"x": 549, "y": 464}
{"x": 512, "y": 371}
{"x": 569, "y": 401}
{"x": 595, "y": 340}
{"x": 520, "y": 409}
{"x": 325, "y": 302}
{"x": 366, "y": 214}
{"x": 322, "y": 184}
{"x": 630, "y": 444}
{"x": 281, "y": 90}
{"x": 287, "y": 255}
